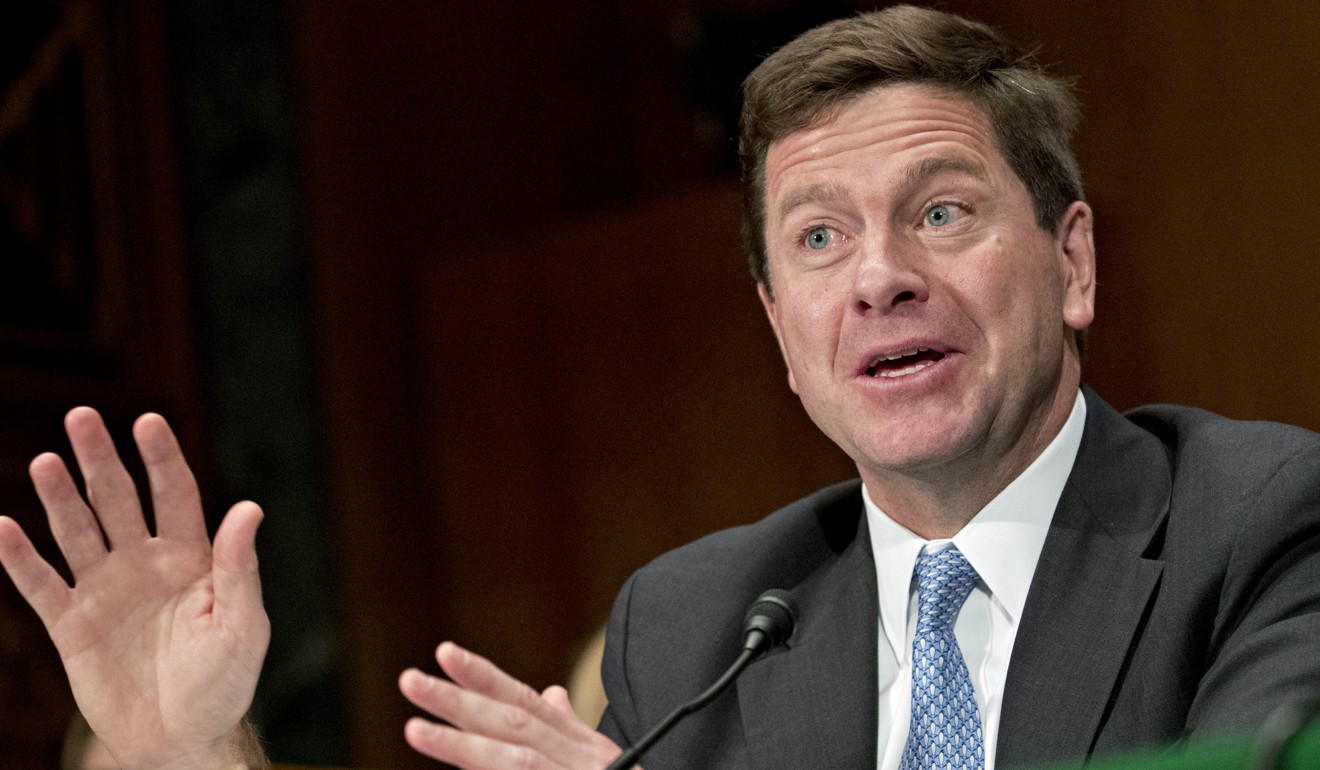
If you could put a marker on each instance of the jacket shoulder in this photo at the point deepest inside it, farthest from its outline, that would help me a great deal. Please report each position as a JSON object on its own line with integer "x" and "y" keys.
{"x": 677, "y": 622}
{"x": 826, "y": 519}
{"x": 1194, "y": 426}
{"x": 1208, "y": 446}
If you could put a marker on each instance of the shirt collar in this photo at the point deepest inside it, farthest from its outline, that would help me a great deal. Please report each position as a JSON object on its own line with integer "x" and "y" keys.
{"x": 1002, "y": 542}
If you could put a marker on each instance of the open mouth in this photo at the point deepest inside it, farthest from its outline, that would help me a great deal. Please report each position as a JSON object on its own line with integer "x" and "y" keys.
{"x": 902, "y": 363}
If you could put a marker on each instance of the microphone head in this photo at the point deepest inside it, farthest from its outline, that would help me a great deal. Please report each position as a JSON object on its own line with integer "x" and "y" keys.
{"x": 770, "y": 620}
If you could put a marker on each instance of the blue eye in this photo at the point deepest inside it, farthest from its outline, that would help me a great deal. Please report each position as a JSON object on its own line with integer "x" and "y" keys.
{"x": 938, "y": 216}
{"x": 818, "y": 238}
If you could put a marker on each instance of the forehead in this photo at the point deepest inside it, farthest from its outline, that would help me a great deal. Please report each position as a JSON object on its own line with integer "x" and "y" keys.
{"x": 885, "y": 130}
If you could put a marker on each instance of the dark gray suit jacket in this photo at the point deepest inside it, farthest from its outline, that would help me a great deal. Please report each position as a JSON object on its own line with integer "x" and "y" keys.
{"x": 1178, "y": 593}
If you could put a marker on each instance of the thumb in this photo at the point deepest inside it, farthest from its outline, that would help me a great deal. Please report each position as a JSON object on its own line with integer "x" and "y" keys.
{"x": 234, "y": 568}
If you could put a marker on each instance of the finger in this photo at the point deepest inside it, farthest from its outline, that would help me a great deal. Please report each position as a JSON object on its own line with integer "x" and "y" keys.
{"x": 75, "y": 528}
{"x": 478, "y": 714}
{"x": 174, "y": 495}
{"x": 469, "y": 751}
{"x": 235, "y": 575}
{"x": 110, "y": 489}
{"x": 36, "y": 580}
{"x": 475, "y": 673}
{"x": 557, "y": 697}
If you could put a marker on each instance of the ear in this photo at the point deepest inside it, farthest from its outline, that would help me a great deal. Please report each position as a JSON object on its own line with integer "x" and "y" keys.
{"x": 772, "y": 313}
{"x": 1077, "y": 255}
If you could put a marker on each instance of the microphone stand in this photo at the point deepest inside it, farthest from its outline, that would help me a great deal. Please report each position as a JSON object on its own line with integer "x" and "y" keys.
{"x": 769, "y": 622}
{"x": 629, "y": 758}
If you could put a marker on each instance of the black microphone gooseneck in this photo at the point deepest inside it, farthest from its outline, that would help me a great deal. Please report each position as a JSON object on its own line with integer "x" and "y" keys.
{"x": 769, "y": 623}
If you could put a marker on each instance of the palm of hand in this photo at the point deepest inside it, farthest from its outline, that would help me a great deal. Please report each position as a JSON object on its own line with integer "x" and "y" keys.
{"x": 162, "y": 636}
{"x": 150, "y": 655}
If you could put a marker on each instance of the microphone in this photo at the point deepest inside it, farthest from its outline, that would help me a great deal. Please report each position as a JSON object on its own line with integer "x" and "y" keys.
{"x": 769, "y": 622}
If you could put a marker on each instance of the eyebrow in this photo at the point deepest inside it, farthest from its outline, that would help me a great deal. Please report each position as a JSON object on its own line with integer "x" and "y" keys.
{"x": 929, "y": 168}
{"x": 913, "y": 177}
{"x": 816, "y": 193}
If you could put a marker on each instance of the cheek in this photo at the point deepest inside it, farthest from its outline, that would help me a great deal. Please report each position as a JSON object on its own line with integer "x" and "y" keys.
{"x": 822, "y": 307}
{"x": 1018, "y": 283}
{"x": 809, "y": 324}
{"x": 984, "y": 293}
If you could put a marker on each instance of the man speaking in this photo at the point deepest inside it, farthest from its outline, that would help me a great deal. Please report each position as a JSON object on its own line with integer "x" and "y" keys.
{"x": 1020, "y": 574}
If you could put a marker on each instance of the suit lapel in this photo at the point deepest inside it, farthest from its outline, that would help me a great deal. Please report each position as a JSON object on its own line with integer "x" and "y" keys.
{"x": 1089, "y": 595}
{"x": 814, "y": 703}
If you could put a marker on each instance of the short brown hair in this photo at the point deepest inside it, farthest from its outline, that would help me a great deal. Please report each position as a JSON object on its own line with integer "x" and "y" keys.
{"x": 806, "y": 82}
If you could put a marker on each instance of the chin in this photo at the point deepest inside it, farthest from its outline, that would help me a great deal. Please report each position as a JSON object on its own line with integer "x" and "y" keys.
{"x": 920, "y": 450}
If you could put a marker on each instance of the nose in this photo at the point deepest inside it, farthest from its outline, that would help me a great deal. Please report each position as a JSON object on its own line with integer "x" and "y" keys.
{"x": 888, "y": 276}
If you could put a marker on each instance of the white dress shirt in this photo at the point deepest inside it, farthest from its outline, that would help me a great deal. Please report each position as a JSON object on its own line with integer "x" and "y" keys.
{"x": 1003, "y": 543}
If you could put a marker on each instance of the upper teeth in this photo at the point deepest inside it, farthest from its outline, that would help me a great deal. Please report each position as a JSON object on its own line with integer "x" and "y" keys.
{"x": 899, "y": 354}
{"x": 917, "y": 366}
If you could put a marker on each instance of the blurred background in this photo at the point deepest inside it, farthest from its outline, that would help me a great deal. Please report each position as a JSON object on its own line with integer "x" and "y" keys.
{"x": 455, "y": 291}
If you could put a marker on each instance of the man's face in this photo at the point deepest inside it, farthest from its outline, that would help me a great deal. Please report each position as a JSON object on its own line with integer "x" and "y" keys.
{"x": 924, "y": 316}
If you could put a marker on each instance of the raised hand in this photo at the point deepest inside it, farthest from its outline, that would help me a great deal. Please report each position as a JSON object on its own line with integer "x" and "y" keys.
{"x": 162, "y": 636}
{"x": 497, "y": 722}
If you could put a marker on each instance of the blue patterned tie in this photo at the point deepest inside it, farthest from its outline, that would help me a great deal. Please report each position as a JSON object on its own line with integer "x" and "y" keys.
{"x": 946, "y": 725}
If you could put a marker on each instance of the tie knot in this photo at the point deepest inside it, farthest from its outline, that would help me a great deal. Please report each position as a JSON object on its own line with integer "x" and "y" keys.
{"x": 944, "y": 580}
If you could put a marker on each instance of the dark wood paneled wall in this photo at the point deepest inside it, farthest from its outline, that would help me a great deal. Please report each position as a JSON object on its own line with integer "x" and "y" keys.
{"x": 539, "y": 358}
